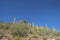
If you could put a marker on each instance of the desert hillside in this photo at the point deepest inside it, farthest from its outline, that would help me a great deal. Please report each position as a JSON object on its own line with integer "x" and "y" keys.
{"x": 23, "y": 30}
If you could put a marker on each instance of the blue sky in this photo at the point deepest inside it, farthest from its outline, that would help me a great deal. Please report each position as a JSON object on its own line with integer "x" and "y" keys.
{"x": 39, "y": 12}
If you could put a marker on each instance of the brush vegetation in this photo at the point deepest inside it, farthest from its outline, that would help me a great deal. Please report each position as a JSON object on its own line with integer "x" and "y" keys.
{"x": 23, "y": 30}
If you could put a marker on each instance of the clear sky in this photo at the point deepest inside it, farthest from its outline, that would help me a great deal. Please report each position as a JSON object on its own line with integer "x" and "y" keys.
{"x": 39, "y": 12}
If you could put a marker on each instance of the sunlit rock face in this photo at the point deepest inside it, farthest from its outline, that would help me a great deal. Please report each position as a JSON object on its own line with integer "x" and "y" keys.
{"x": 23, "y": 22}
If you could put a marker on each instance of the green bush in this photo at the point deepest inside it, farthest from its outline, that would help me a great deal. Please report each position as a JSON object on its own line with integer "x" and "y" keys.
{"x": 1, "y": 34}
{"x": 21, "y": 30}
{"x": 44, "y": 38}
{"x": 4, "y": 27}
{"x": 57, "y": 39}
{"x": 17, "y": 38}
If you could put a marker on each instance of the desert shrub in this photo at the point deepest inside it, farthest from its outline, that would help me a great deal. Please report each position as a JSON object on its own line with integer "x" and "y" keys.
{"x": 17, "y": 38}
{"x": 4, "y": 27}
{"x": 20, "y": 33}
{"x": 21, "y": 30}
{"x": 1, "y": 34}
{"x": 44, "y": 38}
{"x": 57, "y": 39}
{"x": 1, "y": 26}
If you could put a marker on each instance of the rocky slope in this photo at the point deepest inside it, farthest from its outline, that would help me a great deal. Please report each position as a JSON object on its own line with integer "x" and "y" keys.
{"x": 23, "y": 30}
